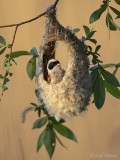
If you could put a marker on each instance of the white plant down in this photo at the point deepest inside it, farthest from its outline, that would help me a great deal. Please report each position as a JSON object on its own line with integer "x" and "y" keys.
{"x": 71, "y": 95}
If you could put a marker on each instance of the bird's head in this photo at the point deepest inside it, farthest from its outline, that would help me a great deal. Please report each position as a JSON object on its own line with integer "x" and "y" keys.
{"x": 52, "y": 65}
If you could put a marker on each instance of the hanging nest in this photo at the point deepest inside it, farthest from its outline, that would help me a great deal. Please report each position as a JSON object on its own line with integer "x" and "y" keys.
{"x": 72, "y": 95}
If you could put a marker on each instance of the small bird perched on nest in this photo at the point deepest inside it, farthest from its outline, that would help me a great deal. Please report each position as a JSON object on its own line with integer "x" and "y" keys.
{"x": 55, "y": 72}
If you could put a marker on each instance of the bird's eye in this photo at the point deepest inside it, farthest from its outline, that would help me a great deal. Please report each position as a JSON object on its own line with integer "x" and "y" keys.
{"x": 53, "y": 64}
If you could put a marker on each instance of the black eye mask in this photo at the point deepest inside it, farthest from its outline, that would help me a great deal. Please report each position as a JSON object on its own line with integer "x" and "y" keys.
{"x": 52, "y": 64}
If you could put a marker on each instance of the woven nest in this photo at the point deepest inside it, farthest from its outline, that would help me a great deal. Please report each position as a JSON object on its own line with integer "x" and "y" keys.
{"x": 72, "y": 95}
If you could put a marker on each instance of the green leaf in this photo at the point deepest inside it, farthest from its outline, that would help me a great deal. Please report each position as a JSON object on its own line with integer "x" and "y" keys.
{"x": 93, "y": 68}
{"x": 14, "y": 61}
{"x": 5, "y": 81}
{"x": 2, "y": 41}
{"x": 37, "y": 93}
{"x": 117, "y": 27}
{"x": 34, "y": 51}
{"x": 94, "y": 61}
{"x": 110, "y": 78}
{"x": 108, "y": 65}
{"x": 97, "y": 48}
{"x": 115, "y": 11}
{"x": 93, "y": 41}
{"x": 9, "y": 45}
{"x": 109, "y": 23}
{"x": 34, "y": 104}
{"x": 90, "y": 48}
{"x": 117, "y": 65}
{"x": 40, "y": 123}
{"x": 10, "y": 74}
{"x": 6, "y": 74}
{"x": 18, "y": 54}
{"x": 31, "y": 68}
{"x": 93, "y": 101}
{"x": 99, "y": 93}
{"x": 7, "y": 63}
{"x": 97, "y": 14}
{"x": 94, "y": 75}
{"x": 75, "y": 30}
{"x": 60, "y": 141}
{"x": 90, "y": 35}
{"x": 83, "y": 39}
{"x": 39, "y": 112}
{"x": 117, "y": 17}
{"x": 115, "y": 71}
{"x": 87, "y": 30}
{"x": 3, "y": 50}
{"x": 117, "y": 1}
{"x": 40, "y": 140}
{"x": 64, "y": 131}
{"x": 49, "y": 141}
{"x": 116, "y": 68}
{"x": 37, "y": 108}
{"x": 54, "y": 120}
{"x": 7, "y": 66}
{"x": 4, "y": 88}
{"x": 1, "y": 77}
{"x": 112, "y": 90}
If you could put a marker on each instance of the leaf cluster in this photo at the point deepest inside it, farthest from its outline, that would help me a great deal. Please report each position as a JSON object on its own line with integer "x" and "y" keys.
{"x": 7, "y": 64}
{"x": 10, "y": 59}
{"x": 49, "y": 135}
{"x": 89, "y": 37}
{"x": 102, "y": 81}
{"x": 105, "y": 6}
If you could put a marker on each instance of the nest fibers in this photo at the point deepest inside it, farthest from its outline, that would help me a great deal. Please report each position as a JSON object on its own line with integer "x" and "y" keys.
{"x": 72, "y": 95}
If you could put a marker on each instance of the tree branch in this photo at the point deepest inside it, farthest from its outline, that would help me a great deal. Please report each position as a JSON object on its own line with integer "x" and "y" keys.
{"x": 21, "y": 23}
{"x": 12, "y": 43}
{"x": 28, "y": 21}
{"x": 56, "y": 2}
{"x": 16, "y": 28}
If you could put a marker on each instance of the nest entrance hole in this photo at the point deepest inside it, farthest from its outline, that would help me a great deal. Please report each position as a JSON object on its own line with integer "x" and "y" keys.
{"x": 60, "y": 53}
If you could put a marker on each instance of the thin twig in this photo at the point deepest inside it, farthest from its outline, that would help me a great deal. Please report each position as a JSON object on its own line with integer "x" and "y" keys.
{"x": 28, "y": 21}
{"x": 10, "y": 54}
{"x": 12, "y": 43}
{"x": 21, "y": 23}
{"x": 56, "y": 2}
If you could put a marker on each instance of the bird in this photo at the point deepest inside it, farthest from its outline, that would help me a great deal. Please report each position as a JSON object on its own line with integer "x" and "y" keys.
{"x": 55, "y": 72}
